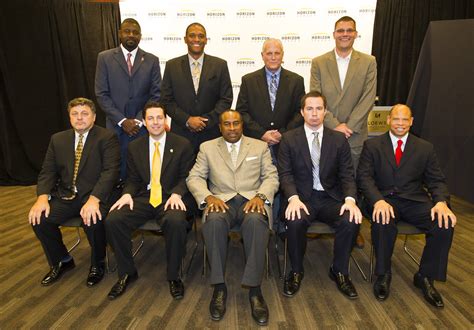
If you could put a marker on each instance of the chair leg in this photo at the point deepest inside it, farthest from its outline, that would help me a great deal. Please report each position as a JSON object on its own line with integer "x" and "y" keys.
{"x": 359, "y": 268}
{"x": 204, "y": 259}
{"x": 140, "y": 245}
{"x": 371, "y": 267}
{"x": 277, "y": 256}
{"x": 285, "y": 257}
{"x": 409, "y": 252}
{"x": 194, "y": 249}
{"x": 77, "y": 241}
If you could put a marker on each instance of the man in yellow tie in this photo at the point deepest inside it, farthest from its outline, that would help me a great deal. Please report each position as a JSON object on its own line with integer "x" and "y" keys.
{"x": 157, "y": 167}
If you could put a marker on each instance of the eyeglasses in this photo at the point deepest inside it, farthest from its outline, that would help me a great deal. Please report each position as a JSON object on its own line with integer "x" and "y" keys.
{"x": 349, "y": 31}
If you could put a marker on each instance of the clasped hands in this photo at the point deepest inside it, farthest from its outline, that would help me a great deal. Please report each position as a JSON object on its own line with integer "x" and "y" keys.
{"x": 215, "y": 204}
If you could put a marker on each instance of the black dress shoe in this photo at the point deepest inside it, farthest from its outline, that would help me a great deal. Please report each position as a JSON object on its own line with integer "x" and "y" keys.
{"x": 382, "y": 286}
{"x": 57, "y": 271}
{"x": 177, "y": 289}
{"x": 217, "y": 305}
{"x": 259, "y": 309}
{"x": 96, "y": 274}
{"x": 121, "y": 285}
{"x": 343, "y": 283}
{"x": 292, "y": 284}
{"x": 431, "y": 294}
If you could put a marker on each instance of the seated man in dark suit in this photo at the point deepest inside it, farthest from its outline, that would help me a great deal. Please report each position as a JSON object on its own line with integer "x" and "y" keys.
{"x": 79, "y": 172}
{"x": 317, "y": 180}
{"x": 394, "y": 170}
{"x": 157, "y": 167}
{"x": 234, "y": 180}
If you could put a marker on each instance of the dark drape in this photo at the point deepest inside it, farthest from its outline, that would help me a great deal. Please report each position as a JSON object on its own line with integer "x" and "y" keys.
{"x": 399, "y": 30}
{"x": 48, "y": 56}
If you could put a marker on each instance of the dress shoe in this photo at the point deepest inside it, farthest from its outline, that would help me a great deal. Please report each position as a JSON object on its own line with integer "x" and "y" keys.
{"x": 292, "y": 284}
{"x": 259, "y": 309}
{"x": 429, "y": 291}
{"x": 121, "y": 285}
{"x": 360, "y": 242}
{"x": 343, "y": 283}
{"x": 382, "y": 286}
{"x": 57, "y": 271}
{"x": 177, "y": 289}
{"x": 217, "y": 305}
{"x": 96, "y": 274}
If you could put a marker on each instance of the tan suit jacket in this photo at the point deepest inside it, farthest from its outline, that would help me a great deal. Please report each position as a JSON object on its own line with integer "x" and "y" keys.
{"x": 352, "y": 103}
{"x": 214, "y": 174}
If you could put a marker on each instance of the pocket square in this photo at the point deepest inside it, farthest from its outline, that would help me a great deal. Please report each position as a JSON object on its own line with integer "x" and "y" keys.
{"x": 250, "y": 158}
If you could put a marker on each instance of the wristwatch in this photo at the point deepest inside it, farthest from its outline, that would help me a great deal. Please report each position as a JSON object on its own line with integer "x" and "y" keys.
{"x": 261, "y": 196}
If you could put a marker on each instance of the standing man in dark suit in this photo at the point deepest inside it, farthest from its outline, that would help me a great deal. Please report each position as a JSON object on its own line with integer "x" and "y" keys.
{"x": 126, "y": 78}
{"x": 79, "y": 172}
{"x": 394, "y": 170}
{"x": 269, "y": 98}
{"x": 158, "y": 165}
{"x": 348, "y": 79}
{"x": 317, "y": 180}
{"x": 196, "y": 89}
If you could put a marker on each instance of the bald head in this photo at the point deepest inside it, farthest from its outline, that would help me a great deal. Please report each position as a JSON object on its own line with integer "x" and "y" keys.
{"x": 400, "y": 120}
{"x": 272, "y": 54}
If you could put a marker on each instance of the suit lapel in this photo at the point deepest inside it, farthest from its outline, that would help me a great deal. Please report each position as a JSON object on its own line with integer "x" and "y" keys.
{"x": 388, "y": 150}
{"x": 139, "y": 58}
{"x": 91, "y": 137}
{"x": 282, "y": 88}
{"x": 351, "y": 70}
{"x": 70, "y": 152}
{"x": 325, "y": 146}
{"x": 243, "y": 151}
{"x": 224, "y": 152}
{"x": 168, "y": 153}
{"x": 205, "y": 71}
{"x": 334, "y": 71}
{"x": 263, "y": 90}
{"x": 143, "y": 159}
{"x": 303, "y": 146}
{"x": 408, "y": 151}
{"x": 187, "y": 76}
{"x": 118, "y": 56}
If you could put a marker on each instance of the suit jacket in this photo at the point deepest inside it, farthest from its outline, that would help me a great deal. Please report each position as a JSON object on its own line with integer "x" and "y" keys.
{"x": 214, "y": 174}
{"x": 378, "y": 175}
{"x": 352, "y": 103}
{"x": 213, "y": 97}
{"x": 254, "y": 103}
{"x": 98, "y": 168}
{"x": 178, "y": 158}
{"x": 121, "y": 95}
{"x": 335, "y": 169}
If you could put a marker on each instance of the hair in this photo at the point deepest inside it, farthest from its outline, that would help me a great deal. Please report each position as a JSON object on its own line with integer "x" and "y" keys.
{"x": 195, "y": 23}
{"x": 232, "y": 111}
{"x": 313, "y": 94}
{"x": 346, "y": 19}
{"x": 153, "y": 104}
{"x": 396, "y": 106}
{"x": 81, "y": 101}
{"x": 278, "y": 41}
{"x": 131, "y": 21}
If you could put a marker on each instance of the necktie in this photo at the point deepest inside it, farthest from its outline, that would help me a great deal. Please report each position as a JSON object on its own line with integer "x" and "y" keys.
{"x": 77, "y": 158}
{"x": 233, "y": 154}
{"x": 129, "y": 63}
{"x": 315, "y": 156}
{"x": 196, "y": 75}
{"x": 273, "y": 90}
{"x": 155, "y": 187}
{"x": 398, "y": 152}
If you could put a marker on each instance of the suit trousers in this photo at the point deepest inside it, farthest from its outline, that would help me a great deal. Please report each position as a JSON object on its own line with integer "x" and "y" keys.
{"x": 255, "y": 234}
{"x": 50, "y": 236}
{"x": 122, "y": 223}
{"x": 434, "y": 261}
{"x": 324, "y": 208}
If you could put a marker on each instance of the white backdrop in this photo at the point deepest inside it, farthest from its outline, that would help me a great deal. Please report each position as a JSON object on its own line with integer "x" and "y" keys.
{"x": 236, "y": 29}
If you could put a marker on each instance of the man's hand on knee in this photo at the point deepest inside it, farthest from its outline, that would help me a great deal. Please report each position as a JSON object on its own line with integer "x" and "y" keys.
{"x": 41, "y": 205}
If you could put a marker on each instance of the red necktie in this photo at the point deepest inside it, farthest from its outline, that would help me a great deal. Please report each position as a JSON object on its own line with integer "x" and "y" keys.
{"x": 129, "y": 63}
{"x": 398, "y": 152}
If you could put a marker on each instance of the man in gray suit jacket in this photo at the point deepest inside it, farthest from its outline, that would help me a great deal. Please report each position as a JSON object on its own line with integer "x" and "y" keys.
{"x": 126, "y": 78}
{"x": 234, "y": 181}
{"x": 196, "y": 89}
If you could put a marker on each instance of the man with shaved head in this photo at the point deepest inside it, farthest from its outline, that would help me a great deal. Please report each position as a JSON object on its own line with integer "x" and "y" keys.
{"x": 401, "y": 180}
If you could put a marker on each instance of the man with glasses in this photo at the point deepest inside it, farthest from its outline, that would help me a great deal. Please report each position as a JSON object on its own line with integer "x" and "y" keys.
{"x": 348, "y": 79}
{"x": 78, "y": 174}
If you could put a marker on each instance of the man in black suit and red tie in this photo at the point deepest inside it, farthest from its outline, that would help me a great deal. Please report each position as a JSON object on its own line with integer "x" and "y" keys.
{"x": 158, "y": 165}
{"x": 317, "y": 180}
{"x": 78, "y": 174}
{"x": 400, "y": 178}
{"x": 196, "y": 89}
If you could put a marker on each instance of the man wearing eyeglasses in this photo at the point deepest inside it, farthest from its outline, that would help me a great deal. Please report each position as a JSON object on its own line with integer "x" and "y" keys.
{"x": 348, "y": 79}
{"x": 78, "y": 174}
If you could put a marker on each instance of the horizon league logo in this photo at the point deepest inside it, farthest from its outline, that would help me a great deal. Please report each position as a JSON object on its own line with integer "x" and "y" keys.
{"x": 163, "y": 62}
{"x": 276, "y": 13}
{"x": 245, "y": 62}
{"x": 216, "y": 13}
{"x": 320, "y": 37}
{"x": 129, "y": 15}
{"x": 367, "y": 11}
{"x": 172, "y": 38}
{"x": 306, "y": 12}
{"x": 235, "y": 85}
{"x": 146, "y": 38}
{"x": 291, "y": 37}
{"x": 245, "y": 13}
{"x": 259, "y": 37}
{"x": 337, "y": 11}
{"x": 156, "y": 14}
{"x": 303, "y": 61}
{"x": 231, "y": 38}
{"x": 185, "y": 13}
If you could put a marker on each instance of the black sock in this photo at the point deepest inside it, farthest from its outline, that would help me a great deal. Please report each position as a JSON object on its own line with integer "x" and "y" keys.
{"x": 66, "y": 258}
{"x": 220, "y": 287}
{"x": 255, "y": 291}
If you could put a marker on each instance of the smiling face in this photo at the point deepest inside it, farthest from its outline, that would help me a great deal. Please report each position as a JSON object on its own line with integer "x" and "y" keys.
{"x": 196, "y": 40}
{"x": 130, "y": 35}
{"x": 154, "y": 121}
{"x": 344, "y": 33}
{"x": 314, "y": 112}
{"x": 400, "y": 120}
{"x": 231, "y": 126}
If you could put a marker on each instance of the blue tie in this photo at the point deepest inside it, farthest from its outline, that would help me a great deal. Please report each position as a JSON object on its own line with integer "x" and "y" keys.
{"x": 273, "y": 90}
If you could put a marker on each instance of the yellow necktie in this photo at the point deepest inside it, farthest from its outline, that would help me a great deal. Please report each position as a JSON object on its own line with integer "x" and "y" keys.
{"x": 77, "y": 158}
{"x": 155, "y": 189}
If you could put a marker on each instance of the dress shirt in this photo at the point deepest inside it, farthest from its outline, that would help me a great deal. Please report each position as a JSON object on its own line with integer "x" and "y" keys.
{"x": 76, "y": 139}
{"x": 200, "y": 60}
{"x": 342, "y": 66}
{"x": 237, "y": 146}
{"x": 269, "y": 75}
{"x": 395, "y": 141}
{"x": 151, "y": 147}
{"x": 132, "y": 59}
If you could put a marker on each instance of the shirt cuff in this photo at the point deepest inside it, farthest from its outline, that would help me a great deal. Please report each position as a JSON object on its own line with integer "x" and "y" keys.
{"x": 120, "y": 122}
{"x": 350, "y": 199}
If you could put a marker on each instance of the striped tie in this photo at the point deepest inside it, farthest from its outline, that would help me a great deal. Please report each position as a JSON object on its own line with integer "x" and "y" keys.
{"x": 315, "y": 156}
{"x": 155, "y": 187}
{"x": 273, "y": 90}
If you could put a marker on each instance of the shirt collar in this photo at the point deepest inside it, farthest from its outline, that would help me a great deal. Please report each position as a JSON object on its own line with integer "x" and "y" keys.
{"x": 200, "y": 60}
{"x": 340, "y": 58}
{"x": 395, "y": 139}
{"x": 269, "y": 74}
{"x": 84, "y": 135}
{"x": 237, "y": 144}
{"x": 162, "y": 139}
{"x": 125, "y": 51}
{"x": 309, "y": 132}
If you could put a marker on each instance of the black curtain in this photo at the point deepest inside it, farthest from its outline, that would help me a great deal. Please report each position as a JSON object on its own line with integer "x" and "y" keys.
{"x": 48, "y": 56}
{"x": 399, "y": 30}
